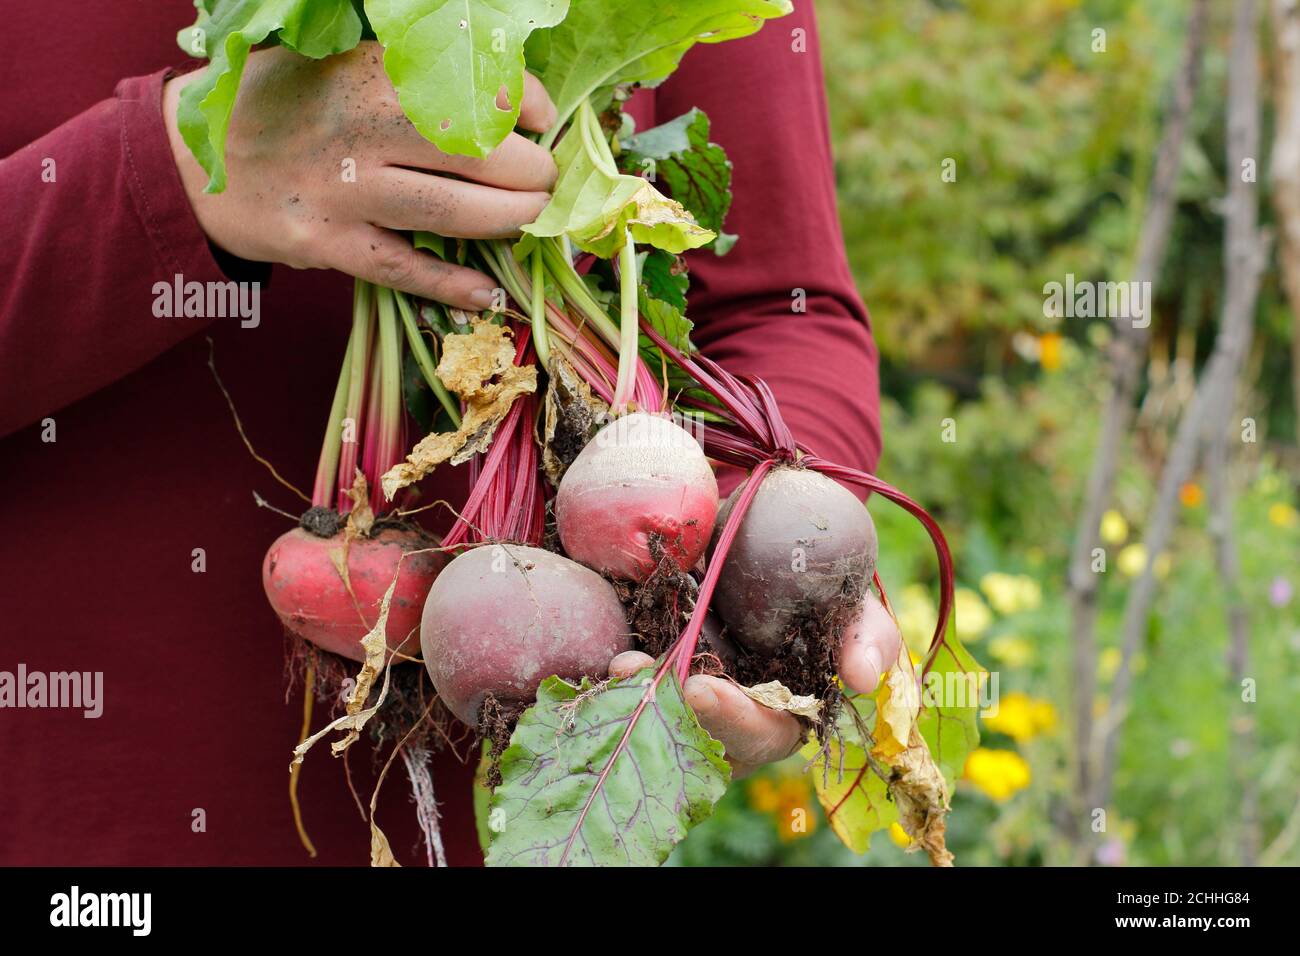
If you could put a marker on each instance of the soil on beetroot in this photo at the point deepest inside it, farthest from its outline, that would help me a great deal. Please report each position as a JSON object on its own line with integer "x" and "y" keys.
{"x": 658, "y": 609}
{"x": 321, "y": 521}
{"x": 411, "y": 701}
{"x": 807, "y": 663}
{"x": 495, "y": 725}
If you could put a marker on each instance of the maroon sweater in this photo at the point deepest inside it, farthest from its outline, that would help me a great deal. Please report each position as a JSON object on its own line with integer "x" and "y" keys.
{"x": 100, "y": 524}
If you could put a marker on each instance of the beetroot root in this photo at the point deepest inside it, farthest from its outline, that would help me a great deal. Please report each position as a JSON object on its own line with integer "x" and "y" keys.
{"x": 501, "y": 618}
{"x": 305, "y": 589}
{"x": 803, "y": 554}
{"x": 641, "y": 477}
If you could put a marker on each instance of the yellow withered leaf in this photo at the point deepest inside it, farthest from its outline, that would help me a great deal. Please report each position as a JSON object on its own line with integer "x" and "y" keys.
{"x": 898, "y": 701}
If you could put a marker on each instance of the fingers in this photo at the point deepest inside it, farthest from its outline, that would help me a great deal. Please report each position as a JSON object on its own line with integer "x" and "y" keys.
{"x": 389, "y": 260}
{"x": 628, "y": 663}
{"x": 751, "y": 733}
{"x": 517, "y": 163}
{"x": 869, "y": 647}
{"x": 405, "y": 199}
{"x": 536, "y": 112}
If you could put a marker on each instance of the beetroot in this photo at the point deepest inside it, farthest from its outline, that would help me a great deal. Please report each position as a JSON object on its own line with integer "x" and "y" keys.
{"x": 306, "y": 591}
{"x": 642, "y": 478}
{"x": 500, "y": 618}
{"x": 804, "y": 554}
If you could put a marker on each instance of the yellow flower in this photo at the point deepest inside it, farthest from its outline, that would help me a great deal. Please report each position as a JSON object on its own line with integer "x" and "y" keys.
{"x": 1162, "y": 566}
{"x": 899, "y": 835}
{"x": 1132, "y": 560}
{"x": 1190, "y": 494}
{"x": 1049, "y": 351}
{"x": 999, "y": 774}
{"x": 1009, "y": 593}
{"x": 1108, "y": 663}
{"x": 1044, "y": 716}
{"x": 1012, "y": 650}
{"x": 917, "y": 616}
{"x": 1021, "y": 717}
{"x": 1114, "y": 528}
{"x": 1283, "y": 515}
{"x": 972, "y": 615}
{"x": 787, "y": 800}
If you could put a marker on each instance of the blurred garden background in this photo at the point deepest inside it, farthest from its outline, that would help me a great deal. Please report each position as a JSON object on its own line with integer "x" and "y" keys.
{"x": 1054, "y": 143}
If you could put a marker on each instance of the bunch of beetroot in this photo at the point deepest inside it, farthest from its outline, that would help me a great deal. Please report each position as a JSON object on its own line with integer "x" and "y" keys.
{"x": 593, "y": 525}
{"x": 785, "y": 562}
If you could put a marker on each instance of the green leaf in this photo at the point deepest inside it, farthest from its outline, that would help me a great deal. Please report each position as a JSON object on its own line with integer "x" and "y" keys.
{"x": 611, "y": 774}
{"x": 951, "y": 729}
{"x": 605, "y": 42}
{"x": 664, "y": 277}
{"x": 854, "y": 797}
{"x": 314, "y": 28}
{"x": 448, "y": 60}
{"x": 696, "y": 171}
{"x": 483, "y": 797}
{"x": 431, "y": 242}
{"x": 594, "y": 204}
{"x": 665, "y": 319}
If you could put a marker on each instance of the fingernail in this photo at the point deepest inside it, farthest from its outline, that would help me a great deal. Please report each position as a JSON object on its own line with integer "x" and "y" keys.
{"x": 702, "y": 698}
{"x": 482, "y": 298}
{"x": 877, "y": 662}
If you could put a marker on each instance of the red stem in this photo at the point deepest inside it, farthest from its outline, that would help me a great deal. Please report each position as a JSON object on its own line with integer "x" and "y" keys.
{"x": 684, "y": 647}
{"x": 944, "y": 553}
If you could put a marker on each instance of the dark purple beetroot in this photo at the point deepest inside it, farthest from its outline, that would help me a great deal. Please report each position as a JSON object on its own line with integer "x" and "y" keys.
{"x": 803, "y": 557}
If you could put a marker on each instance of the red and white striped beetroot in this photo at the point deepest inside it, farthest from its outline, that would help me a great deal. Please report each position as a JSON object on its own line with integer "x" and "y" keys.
{"x": 643, "y": 478}
{"x": 366, "y": 424}
{"x": 305, "y": 588}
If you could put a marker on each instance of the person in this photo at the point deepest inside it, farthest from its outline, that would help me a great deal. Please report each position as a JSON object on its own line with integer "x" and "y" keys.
{"x": 132, "y": 543}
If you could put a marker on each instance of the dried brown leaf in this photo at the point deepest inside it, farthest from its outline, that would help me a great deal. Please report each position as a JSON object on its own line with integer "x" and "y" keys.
{"x": 381, "y": 854}
{"x": 921, "y": 795}
{"x": 480, "y": 368}
{"x": 573, "y": 416}
{"x": 375, "y": 644}
{"x": 361, "y": 518}
{"x": 777, "y": 696}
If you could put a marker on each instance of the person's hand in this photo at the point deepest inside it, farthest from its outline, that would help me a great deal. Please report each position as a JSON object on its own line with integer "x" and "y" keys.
{"x": 754, "y": 735}
{"x": 323, "y": 165}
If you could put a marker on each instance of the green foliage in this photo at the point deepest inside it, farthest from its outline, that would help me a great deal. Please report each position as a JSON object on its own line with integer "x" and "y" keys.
{"x": 590, "y": 778}
{"x": 696, "y": 171}
{"x": 1013, "y": 95}
{"x": 314, "y": 28}
{"x": 448, "y": 60}
{"x": 602, "y": 43}
{"x": 597, "y": 206}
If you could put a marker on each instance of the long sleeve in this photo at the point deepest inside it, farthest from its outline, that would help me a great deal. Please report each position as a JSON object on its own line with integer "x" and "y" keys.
{"x": 95, "y": 215}
{"x": 766, "y": 99}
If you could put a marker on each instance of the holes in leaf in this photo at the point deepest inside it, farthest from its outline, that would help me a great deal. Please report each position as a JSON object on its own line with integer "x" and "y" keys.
{"x": 445, "y": 125}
